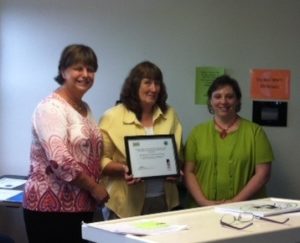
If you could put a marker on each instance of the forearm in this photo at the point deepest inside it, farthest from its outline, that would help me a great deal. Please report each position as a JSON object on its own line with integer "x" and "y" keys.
{"x": 120, "y": 170}
{"x": 195, "y": 189}
{"x": 97, "y": 190}
{"x": 84, "y": 182}
{"x": 255, "y": 184}
{"x": 114, "y": 169}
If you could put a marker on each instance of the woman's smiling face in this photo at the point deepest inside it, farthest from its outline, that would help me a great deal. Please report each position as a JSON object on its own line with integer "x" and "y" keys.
{"x": 79, "y": 78}
{"x": 224, "y": 101}
{"x": 148, "y": 92}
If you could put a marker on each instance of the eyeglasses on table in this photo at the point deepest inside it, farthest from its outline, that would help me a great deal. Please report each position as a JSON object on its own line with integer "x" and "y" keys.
{"x": 244, "y": 220}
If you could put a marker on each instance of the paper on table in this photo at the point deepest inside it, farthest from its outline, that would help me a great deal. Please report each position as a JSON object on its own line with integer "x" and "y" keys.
{"x": 262, "y": 207}
{"x": 142, "y": 228}
{"x": 10, "y": 183}
{"x": 5, "y": 194}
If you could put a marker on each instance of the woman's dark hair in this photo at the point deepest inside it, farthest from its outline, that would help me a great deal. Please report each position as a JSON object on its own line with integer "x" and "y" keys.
{"x": 74, "y": 54}
{"x": 222, "y": 81}
{"x": 130, "y": 91}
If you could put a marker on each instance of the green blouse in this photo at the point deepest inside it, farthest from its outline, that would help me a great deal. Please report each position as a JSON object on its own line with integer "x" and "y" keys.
{"x": 224, "y": 166}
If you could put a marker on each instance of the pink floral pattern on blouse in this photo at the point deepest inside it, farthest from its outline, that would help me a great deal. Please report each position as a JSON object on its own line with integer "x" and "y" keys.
{"x": 64, "y": 144}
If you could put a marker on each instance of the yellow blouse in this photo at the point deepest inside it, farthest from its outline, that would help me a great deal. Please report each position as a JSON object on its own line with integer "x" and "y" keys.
{"x": 117, "y": 122}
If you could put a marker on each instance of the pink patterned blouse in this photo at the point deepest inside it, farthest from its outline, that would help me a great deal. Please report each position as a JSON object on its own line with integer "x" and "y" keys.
{"x": 64, "y": 144}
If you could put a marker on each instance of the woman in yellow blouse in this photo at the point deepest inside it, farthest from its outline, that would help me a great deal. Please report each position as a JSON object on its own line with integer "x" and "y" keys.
{"x": 142, "y": 110}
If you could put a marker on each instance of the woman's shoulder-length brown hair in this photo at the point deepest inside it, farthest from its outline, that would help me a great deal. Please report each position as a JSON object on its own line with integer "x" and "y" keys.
{"x": 76, "y": 53}
{"x": 129, "y": 95}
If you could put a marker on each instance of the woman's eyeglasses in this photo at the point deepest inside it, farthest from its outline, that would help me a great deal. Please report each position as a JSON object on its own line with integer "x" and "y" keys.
{"x": 239, "y": 222}
{"x": 245, "y": 220}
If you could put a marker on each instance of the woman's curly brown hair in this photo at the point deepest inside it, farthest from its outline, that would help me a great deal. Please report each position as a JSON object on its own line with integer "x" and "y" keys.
{"x": 130, "y": 91}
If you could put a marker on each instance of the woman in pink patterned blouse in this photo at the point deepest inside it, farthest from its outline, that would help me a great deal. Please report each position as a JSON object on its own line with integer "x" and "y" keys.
{"x": 62, "y": 188}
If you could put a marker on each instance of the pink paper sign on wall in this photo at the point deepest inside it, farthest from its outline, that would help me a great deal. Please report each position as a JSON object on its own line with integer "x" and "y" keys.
{"x": 268, "y": 84}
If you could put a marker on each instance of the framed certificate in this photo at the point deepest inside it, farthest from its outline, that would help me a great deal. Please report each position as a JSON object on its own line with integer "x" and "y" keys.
{"x": 152, "y": 156}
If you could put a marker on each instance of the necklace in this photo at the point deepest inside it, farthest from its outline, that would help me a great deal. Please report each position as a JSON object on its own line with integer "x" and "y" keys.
{"x": 224, "y": 132}
{"x": 78, "y": 106}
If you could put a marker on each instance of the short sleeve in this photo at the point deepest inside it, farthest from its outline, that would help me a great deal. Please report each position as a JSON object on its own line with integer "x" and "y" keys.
{"x": 190, "y": 147}
{"x": 263, "y": 147}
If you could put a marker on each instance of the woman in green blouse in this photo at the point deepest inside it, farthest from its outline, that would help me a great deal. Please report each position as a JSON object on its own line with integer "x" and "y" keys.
{"x": 228, "y": 158}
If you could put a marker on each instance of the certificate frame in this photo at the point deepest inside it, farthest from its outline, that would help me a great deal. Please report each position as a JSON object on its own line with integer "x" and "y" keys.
{"x": 152, "y": 156}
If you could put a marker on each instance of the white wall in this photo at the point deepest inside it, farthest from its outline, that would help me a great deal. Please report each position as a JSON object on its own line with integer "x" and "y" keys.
{"x": 177, "y": 35}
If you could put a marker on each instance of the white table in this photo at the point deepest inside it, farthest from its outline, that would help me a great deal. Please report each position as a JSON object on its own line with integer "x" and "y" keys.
{"x": 203, "y": 226}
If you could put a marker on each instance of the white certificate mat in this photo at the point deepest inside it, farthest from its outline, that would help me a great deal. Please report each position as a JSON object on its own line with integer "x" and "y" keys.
{"x": 152, "y": 156}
